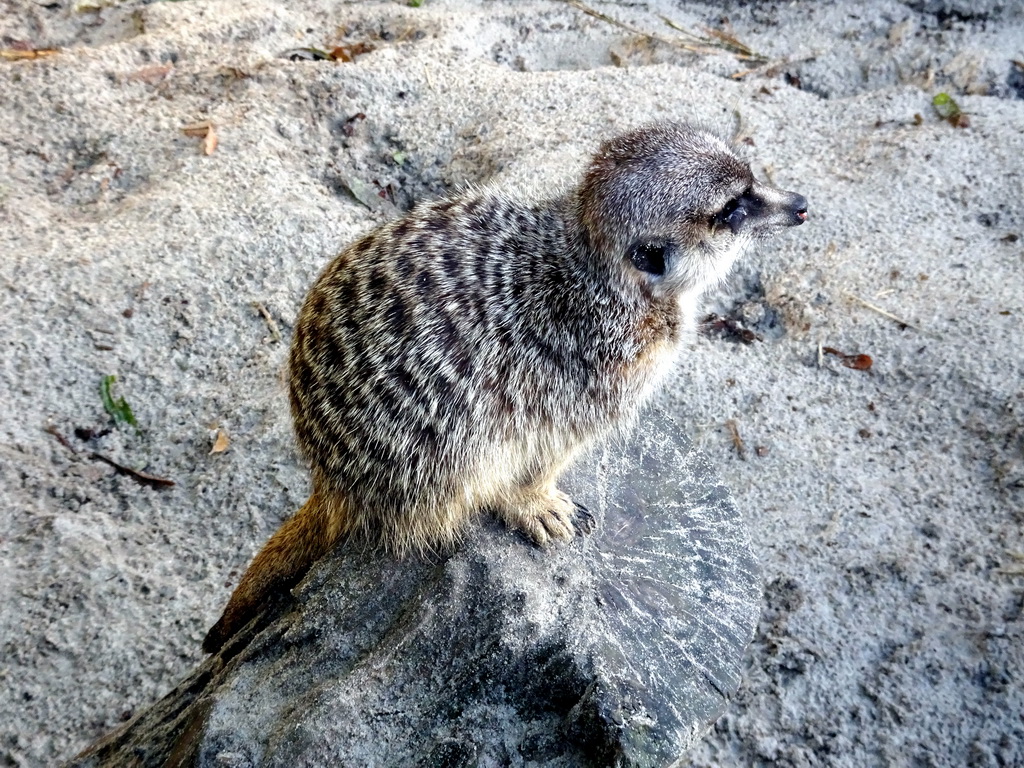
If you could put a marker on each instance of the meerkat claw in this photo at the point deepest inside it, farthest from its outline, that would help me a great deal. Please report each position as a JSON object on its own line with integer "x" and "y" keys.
{"x": 543, "y": 516}
{"x": 536, "y": 533}
{"x": 558, "y": 525}
{"x": 584, "y": 522}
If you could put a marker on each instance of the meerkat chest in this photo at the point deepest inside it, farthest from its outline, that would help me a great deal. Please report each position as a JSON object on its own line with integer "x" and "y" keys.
{"x": 656, "y": 336}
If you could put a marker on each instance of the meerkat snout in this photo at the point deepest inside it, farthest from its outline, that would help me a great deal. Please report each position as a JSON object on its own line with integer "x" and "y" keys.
{"x": 761, "y": 210}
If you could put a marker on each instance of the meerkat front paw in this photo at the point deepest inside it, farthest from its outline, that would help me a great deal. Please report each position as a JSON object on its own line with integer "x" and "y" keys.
{"x": 544, "y": 515}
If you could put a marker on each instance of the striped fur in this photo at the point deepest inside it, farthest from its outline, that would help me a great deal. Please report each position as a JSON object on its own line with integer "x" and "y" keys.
{"x": 457, "y": 359}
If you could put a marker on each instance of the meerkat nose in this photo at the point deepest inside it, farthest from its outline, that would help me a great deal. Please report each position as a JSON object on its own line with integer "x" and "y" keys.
{"x": 799, "y": 208}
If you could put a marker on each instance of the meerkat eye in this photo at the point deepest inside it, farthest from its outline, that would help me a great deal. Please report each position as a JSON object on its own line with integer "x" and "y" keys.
{"x": 727, "y": 209}
{"x": 723, "y": 214}
{"x": 650, "y": 257}
{"x": 731, "y": 215}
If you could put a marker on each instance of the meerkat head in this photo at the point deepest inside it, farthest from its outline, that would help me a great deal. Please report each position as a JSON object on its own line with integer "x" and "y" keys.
{"x": 675, "y": 206}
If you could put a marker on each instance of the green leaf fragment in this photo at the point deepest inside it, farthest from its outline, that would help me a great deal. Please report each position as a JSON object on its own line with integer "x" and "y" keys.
{"x": 118, "y": 409}
{"x": 945, "y": 106}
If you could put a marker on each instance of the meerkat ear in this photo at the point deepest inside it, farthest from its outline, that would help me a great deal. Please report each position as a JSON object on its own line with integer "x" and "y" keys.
{"x": 651, "y": 257}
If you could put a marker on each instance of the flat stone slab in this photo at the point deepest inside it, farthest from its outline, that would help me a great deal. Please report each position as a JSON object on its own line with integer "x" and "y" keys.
{"x": 621, "y": 648}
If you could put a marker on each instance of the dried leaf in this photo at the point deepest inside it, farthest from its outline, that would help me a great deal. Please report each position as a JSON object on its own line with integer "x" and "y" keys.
{"x": 737, "y": 441}
{"x": 361, "y": 191}
{"x": 348, "y": 53}
{"x": 152, "y": 75}
{"x": 857, "y": 362}
{"x": 210, "y": 141}
{"x": 349, "y": 126}
{"x": 344, "y": 53}
{"x": 233, "y": 72}
{"x": 275, "y": 332}
{"x": 728, "y": 328}
{"x": 197, "y": 130}
{"x": 203, "y": 130}
{"x": 771, "y": 68}
{"x": 221, "y": 443}
{"x": 340, "y": 53}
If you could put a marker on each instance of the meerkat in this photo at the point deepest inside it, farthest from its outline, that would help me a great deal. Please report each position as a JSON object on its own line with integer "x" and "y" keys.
{"x": 457, "y": 359}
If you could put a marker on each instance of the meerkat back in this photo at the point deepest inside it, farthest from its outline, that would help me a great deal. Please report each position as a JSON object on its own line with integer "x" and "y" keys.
{"x": 456, "y": 360}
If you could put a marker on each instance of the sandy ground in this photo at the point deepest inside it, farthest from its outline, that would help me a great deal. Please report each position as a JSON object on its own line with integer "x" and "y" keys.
{"x": 885, "y": 504}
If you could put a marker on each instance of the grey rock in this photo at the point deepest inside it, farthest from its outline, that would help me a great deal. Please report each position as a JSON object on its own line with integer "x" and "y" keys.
{"x": 619, "y": 649}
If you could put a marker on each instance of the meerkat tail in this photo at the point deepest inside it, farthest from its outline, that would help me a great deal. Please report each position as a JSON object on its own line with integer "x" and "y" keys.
{"x": 302, "y": 540}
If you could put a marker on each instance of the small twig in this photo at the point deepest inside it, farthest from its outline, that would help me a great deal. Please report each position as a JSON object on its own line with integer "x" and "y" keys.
{"x": 679, "y": 28}
{"x": 888, "y": 315}
{"x": 142, "y": 477}
{"x": 1013, "y": 570}
{"x": 737, "y": 441}
{"x": 772, "y": 68}
{"x": 52, "y": 430}
{"x": 732, "y": 44}
{"x": 719, "y": 40}
{"x": 621, "y": 24}
{"x": 197, "y": 130}
{"x": 274, "y": 330}
{"x": 15, "y": 54}
{"x": 703, "y": 45}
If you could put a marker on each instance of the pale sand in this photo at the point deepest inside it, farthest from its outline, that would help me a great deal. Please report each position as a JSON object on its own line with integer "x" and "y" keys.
{"x": 886, "y": 507}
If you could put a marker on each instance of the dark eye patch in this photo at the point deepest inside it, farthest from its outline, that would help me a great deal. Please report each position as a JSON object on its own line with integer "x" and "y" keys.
{"x": 736, "y": 211}
{"x": 727, "y": 209}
